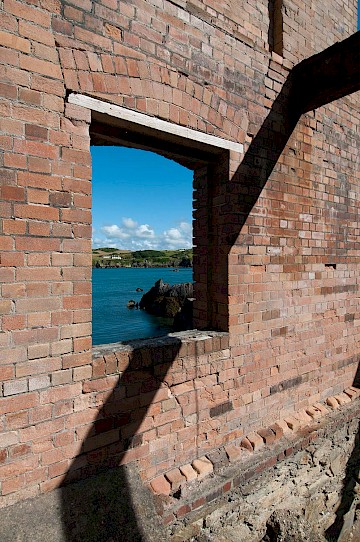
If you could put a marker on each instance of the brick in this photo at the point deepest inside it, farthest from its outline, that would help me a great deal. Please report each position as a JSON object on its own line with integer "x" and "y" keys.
{"x": 38, "y": 244}
{"x": 42, "y": 67}
{"x": 41, "y": 414}
{"x": 14, "y": 42}
{"x": 277, "y": 430}
{"x": 354, "y": 388}
{"x": 60, "y": 393}
{"x": 15, "y": 387}
{"x": 176, "y": 478}
{"x": 218, "y": 458}
{"x": 13, "y": 193}
{"x": 22, "y": 402}
{"x": 61, "y": 377}
{"x": 12, "y": 259}
{"x": 6, "y": 243}
{"x": 183, "y": 510}
{"x": 37, "y": 366}
{"x": 17, "y": 420}
{"x": 61, "y": 347}
{"x": 39, "y": 382}
{"x": 13, "y": 484}
{"x": 233, "y": 452}
{"x": 293, "y": 423}
{"x": 160, "y": 486}
{"x": 5, "y": 306}
{"x": 8, "y": 91}
{"x": 3, "y": 456}
{"x": 303, "y": 417}
{"x": 321, "y": 408}
{"x": 37, "y": 212}
{"x": 38, "y": 351}
{"x": 100, "y": 384}
{"x": 246, "y": 444}
{"x": 60, "y": 199}
{"x": 188, "y": 472}
{"x": 351, "y": 393}
{"x": 82, "y": 373}
{"x": 332, "y": 402}
{"x": 20, "y": 450}
{"x": 283, "y": 426}
{"x": 14, "y": 226}
{"x": 255, "y": 440}
{"x": 27, "y": 12}
{"x": 7, "y": 373}
{"x": 267, "y": 435}
{"x": 42, "y": 430}
{"x": 203, "y": 467}
{"x": 342, "y": 398}
{"x": 313, "y": 412}
{"x": 36, "y": 132}
{"x": 35, "y": 33}
{"x": 8, "y": 439}
{"x": 76, "y": 360}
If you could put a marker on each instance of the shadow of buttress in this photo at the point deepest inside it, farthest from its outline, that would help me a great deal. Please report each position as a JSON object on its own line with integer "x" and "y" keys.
{"x": 110, "y": 504}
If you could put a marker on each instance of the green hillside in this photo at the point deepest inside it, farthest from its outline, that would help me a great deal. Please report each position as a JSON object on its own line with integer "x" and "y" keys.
{"x": 113, "y": 257}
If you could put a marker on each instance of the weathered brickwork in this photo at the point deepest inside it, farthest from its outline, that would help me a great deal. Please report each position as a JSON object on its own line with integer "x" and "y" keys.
{"x": 276, "y": 229}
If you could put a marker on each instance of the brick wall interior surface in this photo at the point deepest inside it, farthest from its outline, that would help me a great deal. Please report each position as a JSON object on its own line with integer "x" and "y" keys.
{"x": 276, "y": 258}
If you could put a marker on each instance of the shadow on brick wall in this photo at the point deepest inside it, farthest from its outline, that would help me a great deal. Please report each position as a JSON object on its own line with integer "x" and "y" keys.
{"x": 263, "y": 154}
{"x": 108, "y": 502}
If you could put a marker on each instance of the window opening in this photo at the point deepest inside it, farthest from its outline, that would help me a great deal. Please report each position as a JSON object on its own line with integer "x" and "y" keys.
{"x": 276, "y": 26}
{"x": 208, "y": 156}
{"x": 142, "y": 232}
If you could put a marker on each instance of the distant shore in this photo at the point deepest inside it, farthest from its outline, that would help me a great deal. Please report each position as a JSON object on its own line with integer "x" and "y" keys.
{"x": 108, "y": 257}
{"x": 174, "y": 268}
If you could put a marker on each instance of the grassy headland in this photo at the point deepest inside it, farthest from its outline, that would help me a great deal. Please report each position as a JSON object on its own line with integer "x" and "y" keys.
{"x": 113, "y": 257}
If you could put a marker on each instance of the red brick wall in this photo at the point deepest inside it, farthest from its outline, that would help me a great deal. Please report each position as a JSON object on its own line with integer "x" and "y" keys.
{"x": 281, "y": 248}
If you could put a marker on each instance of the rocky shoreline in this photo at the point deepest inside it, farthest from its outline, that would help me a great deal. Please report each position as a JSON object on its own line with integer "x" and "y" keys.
{"x": 168, "y": 301}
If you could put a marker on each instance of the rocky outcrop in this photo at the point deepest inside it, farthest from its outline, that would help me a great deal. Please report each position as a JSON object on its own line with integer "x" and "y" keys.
{"x": 170, "y": 302}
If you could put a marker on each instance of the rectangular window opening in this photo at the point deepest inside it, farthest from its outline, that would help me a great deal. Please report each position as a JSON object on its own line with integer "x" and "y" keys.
{"x": 208, "y": 159}
{"x": 142, "y": 245}
{"x": 276, "y": 30}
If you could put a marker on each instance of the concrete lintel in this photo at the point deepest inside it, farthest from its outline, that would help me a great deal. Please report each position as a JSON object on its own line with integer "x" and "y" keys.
{"x": 152, "y": 122}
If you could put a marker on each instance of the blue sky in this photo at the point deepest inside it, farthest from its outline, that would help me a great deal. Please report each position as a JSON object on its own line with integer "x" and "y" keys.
{"x": 140, "y": 200}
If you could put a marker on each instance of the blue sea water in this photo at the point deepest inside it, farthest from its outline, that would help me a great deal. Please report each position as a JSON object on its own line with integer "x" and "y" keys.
{"x": 113, "y": 288}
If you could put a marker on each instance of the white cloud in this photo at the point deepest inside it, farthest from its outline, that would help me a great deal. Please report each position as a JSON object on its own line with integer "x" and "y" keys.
{"x": 186, "y": 227}
{"x": 129, "y": 223}
{"x": 132, "y": 235}
{"x": 144, "y": 231}
{"x": 180, "y": 237}
{"x": 115, "y": 231}
{"x": 173, "y": 234}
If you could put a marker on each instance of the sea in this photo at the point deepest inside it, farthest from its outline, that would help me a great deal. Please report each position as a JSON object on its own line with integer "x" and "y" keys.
{"x": 112, "y": 320}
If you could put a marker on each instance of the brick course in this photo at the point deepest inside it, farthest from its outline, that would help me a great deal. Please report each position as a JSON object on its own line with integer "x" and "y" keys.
{"x": 276, "y": 259}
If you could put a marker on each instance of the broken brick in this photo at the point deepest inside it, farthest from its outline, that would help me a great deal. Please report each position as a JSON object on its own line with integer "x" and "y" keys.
{"x": 160, "y": 485}
{"x": 203, "y": 467}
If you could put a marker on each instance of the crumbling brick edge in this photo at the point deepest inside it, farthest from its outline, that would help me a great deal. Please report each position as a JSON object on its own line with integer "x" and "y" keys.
{"x": 182, "y": 493}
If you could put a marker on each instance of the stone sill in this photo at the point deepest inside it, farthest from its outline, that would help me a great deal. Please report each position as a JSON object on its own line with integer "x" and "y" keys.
{"x": 145, "y": 352}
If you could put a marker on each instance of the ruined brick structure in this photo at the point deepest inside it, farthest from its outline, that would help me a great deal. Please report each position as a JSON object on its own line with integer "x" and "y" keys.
{"x": 276, "y": 228}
